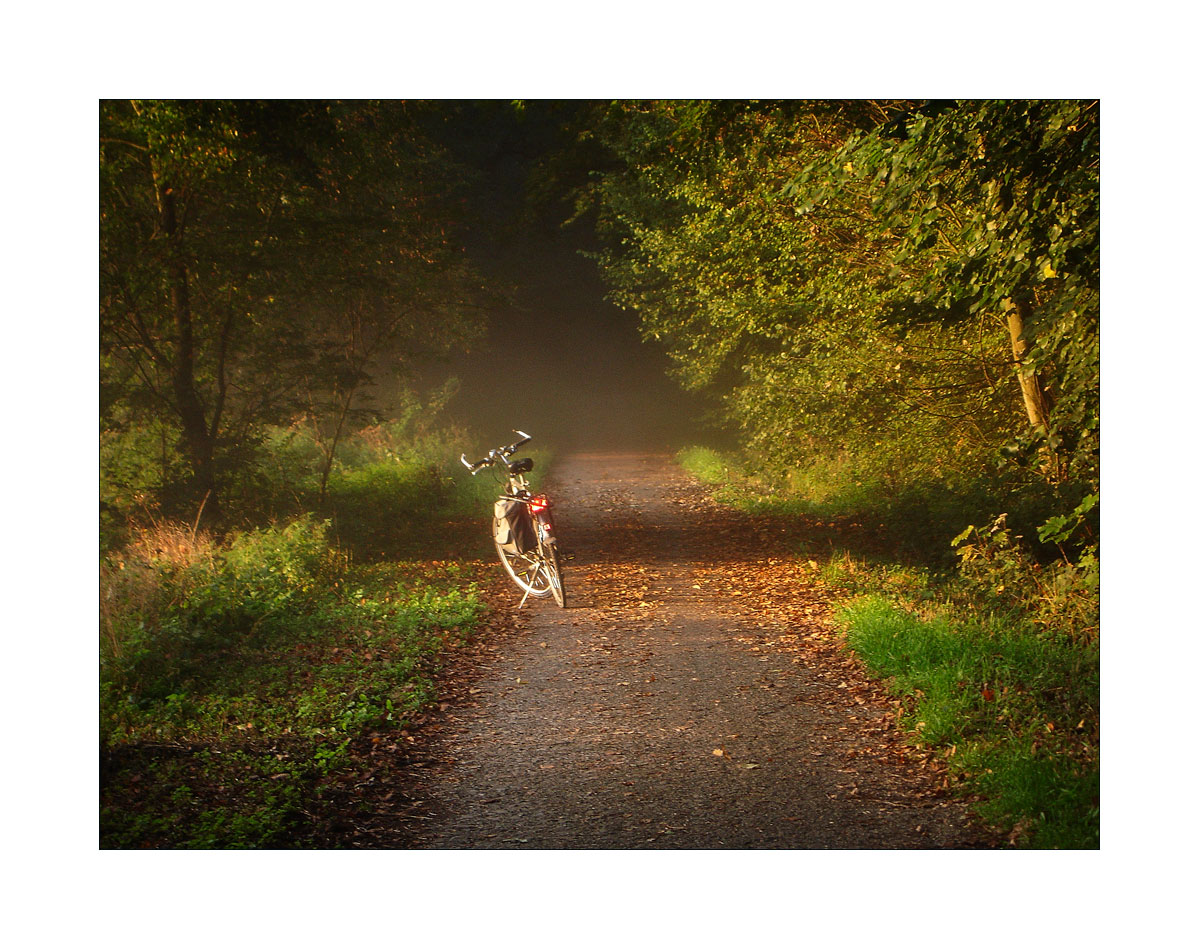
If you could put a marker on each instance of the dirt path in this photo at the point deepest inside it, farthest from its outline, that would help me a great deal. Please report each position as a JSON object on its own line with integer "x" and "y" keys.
{"x": 692, "y": 696}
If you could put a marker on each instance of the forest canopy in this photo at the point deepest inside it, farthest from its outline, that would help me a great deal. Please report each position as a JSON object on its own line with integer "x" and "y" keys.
{"x": 262, "y": 262}
{"x": 911, "y": 287}
{"x": 907, "y": 289}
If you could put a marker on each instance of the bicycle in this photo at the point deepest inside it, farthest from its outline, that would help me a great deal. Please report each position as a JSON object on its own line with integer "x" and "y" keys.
{"x": 522, "y": 526}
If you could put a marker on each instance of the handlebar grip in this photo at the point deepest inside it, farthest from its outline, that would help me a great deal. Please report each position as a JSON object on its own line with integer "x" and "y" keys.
{"x": 473, "y": 467}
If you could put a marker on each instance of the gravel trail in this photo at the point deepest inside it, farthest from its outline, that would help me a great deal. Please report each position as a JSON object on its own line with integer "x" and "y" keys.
{"x": 691, "y": 696}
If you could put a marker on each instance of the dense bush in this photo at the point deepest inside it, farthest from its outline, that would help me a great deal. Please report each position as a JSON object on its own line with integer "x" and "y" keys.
{"x": 261, "y": 654}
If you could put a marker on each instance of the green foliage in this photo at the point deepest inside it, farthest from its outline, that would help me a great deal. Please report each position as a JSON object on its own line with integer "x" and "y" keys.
{"x": 706, "y": 464}
{"x": 382, "y": 481}
{"x": 994, "y": 206}
{"x": 848, "y": 502}
{"x": 264, "y": 259}
{"x": 219, "y": 614}
{"x": 1016, "y": 714}
{"x": 266, "y": 811}
{"x": 192, "y": 604}
{"x": 267, "y": 657}
{"x": 241, "y": 676}
{"x": 997, "y": 574}
{"x": 135, "y": 462}
{"x": 857, "y": 278}
{"x": 1061, "y": 529}
{"x": 383, "y": 501}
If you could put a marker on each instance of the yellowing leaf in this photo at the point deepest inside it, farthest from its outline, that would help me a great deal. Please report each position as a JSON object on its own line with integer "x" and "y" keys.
{"x": 1048, "y": 271}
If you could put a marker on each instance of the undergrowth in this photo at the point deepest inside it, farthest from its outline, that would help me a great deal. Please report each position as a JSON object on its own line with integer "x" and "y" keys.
{"x": 243, "y": 674}
{"x": 236, "y": 676}
{"x": 991, "y": 646}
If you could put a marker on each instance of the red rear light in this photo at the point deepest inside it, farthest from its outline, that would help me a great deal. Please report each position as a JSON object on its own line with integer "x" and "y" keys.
{"x": 538, "y": 504}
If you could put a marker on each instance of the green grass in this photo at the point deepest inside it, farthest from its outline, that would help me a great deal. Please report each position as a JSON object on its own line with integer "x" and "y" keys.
{"x": 246, "y": 679}
{"x": 995, "y": 662}
{"x": 237, "y": 678}
{"x": 706, "y": 464}
{"x": 1015, "y": 712}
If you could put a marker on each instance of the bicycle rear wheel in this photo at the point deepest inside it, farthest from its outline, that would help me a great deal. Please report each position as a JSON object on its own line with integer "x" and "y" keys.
{"x": 528, "y": 571}
{"x": 554, "y": 571}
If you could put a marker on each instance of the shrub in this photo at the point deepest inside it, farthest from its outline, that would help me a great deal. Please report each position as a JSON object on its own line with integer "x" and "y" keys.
{"x": 384, "y": 505}
{"x": 998, "y": 574}
{"x": 174, "y": 597}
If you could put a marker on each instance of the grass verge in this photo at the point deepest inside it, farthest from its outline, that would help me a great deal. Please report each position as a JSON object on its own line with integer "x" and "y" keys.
{"x": 1014, "y": 711}
{"x": 995, "y": 663}
{"x": 237, "y": 680}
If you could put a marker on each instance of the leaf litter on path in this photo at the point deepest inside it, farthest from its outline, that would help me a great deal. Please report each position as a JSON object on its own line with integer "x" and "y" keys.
{"x": 759, "y": 731}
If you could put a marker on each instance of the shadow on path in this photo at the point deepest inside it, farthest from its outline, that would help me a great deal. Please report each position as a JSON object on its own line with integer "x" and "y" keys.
{"x": 692, "y": 696}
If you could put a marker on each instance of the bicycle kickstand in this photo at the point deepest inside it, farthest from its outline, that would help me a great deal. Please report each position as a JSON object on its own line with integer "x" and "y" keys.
{"x": 536, "y": 572}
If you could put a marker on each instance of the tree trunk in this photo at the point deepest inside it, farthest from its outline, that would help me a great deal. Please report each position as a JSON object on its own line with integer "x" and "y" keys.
{"x": 198, "y": 440}
{"x": 331, "y": 450}
{"x": 1033, "y": 393}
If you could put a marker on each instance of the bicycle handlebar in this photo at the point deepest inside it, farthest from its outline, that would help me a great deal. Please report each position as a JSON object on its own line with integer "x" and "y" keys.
{"x": 494, "y": 455}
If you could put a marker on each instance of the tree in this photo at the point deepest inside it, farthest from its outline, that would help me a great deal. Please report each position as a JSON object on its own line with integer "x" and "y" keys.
{"x": 996, "y": 208}
{"x": 860, "y": 277}
{"x": 259, "y": 258}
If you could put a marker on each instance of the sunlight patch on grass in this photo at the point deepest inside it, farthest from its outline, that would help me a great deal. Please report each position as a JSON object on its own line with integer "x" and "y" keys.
{"x": 1015, "y": 713}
